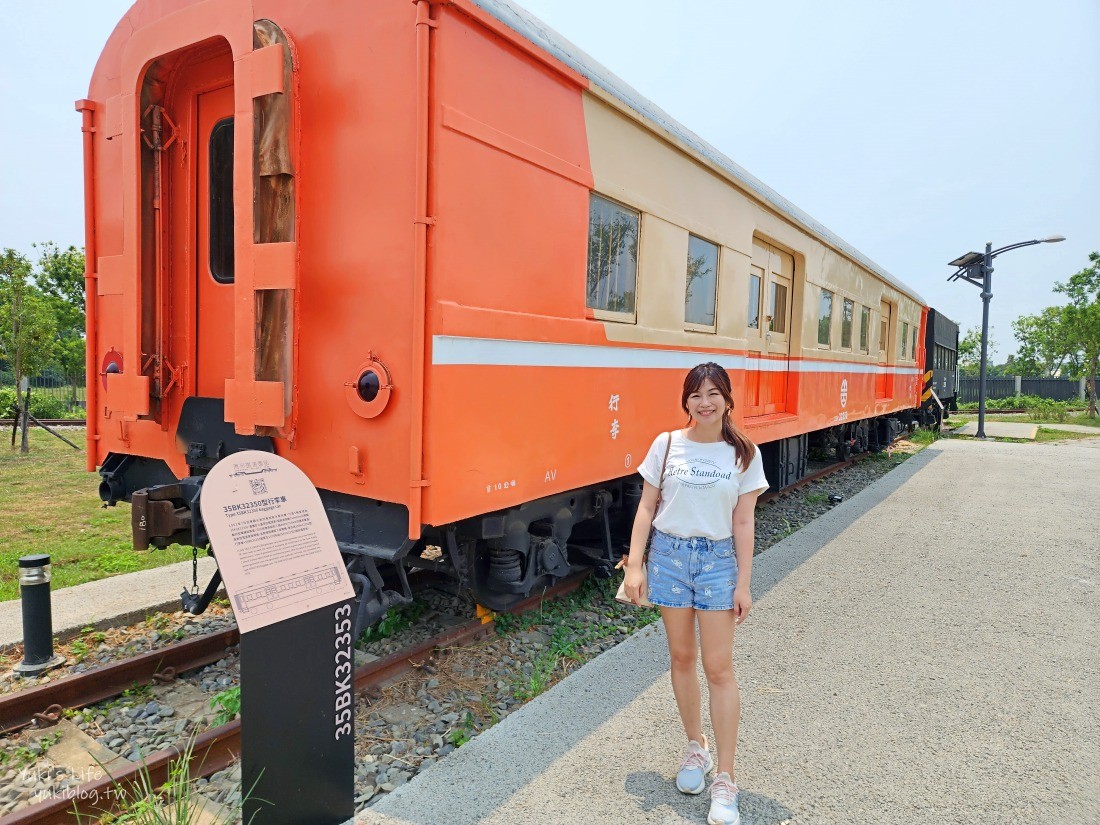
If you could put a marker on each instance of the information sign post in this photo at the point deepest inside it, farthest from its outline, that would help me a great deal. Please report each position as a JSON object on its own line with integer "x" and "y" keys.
{"x": 293, "y": 601}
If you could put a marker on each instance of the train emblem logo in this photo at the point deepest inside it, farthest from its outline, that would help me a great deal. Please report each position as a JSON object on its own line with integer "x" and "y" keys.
{"x": 844, "y": 393}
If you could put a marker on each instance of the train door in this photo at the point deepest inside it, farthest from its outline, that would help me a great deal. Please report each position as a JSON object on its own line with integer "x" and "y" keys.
{"x": 771, "y": 275}
{"x": 882, "y": 379}
{"x": 777, "y": 333}
{"x": 753, "y": 334}
{"x": 202, "y": 209}
{"x": 214, "y": 245}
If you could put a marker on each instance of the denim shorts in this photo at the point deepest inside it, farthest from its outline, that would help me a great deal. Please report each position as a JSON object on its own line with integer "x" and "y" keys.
{"x": 694, "y": 572}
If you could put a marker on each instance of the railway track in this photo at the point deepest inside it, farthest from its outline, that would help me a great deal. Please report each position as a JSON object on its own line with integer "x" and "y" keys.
{"x": 50, "y": 422}
{"x": 217, "y": 748}
{"x": 214, "y": 749}
{"x": 45, "y": 704}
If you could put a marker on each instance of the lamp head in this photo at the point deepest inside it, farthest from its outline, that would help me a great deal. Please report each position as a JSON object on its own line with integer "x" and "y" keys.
{"x": 1052, "y": 239}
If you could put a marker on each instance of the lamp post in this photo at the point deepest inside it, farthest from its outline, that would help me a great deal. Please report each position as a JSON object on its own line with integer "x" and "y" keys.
{"x": 977, "y": 268}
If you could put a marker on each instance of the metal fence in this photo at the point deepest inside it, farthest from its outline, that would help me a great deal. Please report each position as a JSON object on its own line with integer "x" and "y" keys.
{"x": 53, "y": 394}
{"x": 1057, "y": 389}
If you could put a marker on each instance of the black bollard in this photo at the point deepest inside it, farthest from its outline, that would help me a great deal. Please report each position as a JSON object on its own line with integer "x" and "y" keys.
{"x": 34, "y": 594}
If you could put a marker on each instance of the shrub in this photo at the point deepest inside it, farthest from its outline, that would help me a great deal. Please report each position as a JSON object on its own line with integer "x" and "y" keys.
{"x": 1013, "y": 402}
{"x": 7, "y": 402}
{"x": 47, "y": 406}
{"x": 1044, "y": 409}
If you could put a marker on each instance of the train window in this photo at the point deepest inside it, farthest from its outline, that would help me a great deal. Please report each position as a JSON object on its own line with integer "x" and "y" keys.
{"x": 825, "y": 319}
{"x": 847, "y": 314}
{"x": 612, "y": 256}
{"x": 702, "y": 282}
{"x": 221, "y": 201}
{"x": 777, "y": 309}
{"x": 914, "y": 344}
{"x": 904, "y": 339}
{"x": 754, "y": 298}
{"x": 864, "y": 329}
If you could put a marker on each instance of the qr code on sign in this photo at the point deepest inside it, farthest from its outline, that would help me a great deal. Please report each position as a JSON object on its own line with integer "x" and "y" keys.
{"x": 259, "y": 486}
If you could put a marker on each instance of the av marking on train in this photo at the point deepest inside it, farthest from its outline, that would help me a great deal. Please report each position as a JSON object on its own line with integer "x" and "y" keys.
{"x": 550, "y": 476}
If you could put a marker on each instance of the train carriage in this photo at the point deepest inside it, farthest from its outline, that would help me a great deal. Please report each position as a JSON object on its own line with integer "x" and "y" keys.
{"x": 941, "y": 376}
{"x": 455, "y": 270}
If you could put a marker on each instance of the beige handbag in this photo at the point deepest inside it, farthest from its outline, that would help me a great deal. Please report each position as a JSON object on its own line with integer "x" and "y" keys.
{"x": 620, "y": 594}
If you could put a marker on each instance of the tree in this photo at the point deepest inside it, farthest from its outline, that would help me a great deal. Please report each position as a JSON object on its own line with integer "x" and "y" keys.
{"x": 970, "y": 351}
{"x": 28, "y": 330}
{"x": 1045, "y": 349}
{"x": 1081, "y": 320}
{"x": 60, "y": 276}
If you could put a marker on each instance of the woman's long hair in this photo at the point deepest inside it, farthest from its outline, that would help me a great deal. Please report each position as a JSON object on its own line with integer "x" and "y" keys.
{"x": 740, "y": 442}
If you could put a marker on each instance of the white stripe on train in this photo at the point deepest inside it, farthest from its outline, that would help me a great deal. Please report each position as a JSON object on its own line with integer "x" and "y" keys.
{"x": 451, "y": 350}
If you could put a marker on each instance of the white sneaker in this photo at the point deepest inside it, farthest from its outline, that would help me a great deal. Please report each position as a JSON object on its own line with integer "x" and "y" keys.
{"x": 723, "y": 801}
{"x": 692, "y": 776}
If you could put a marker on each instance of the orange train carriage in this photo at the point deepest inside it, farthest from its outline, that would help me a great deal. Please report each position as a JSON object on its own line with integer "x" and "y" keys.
{"x": 454, "y": 270}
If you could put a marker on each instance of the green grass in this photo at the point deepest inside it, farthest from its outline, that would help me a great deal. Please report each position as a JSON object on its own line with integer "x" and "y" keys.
{"x": 923, "y": 436}
{"x": 50, "y": 504}
{"x": 1046, "y": 434}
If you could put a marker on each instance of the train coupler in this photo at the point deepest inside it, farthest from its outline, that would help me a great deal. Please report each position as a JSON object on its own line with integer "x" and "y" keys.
{"x": 195, "y": 603}
{"x": 168, "y": 514}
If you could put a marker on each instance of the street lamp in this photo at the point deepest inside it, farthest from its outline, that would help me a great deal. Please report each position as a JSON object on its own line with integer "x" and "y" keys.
{"x": 978, "y": 270}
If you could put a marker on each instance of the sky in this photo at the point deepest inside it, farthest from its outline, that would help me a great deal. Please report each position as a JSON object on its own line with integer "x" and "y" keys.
{"x": 915, "y": 131}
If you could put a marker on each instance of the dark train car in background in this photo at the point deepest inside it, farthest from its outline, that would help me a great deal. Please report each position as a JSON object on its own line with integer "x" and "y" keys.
{"x": 941, "y": 376}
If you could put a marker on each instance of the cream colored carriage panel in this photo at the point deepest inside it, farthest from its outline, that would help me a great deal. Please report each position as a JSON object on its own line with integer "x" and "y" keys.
{"x": 661, "y": 274}
{"x": 632, "y": 164}
{"x": 733, "y": 276}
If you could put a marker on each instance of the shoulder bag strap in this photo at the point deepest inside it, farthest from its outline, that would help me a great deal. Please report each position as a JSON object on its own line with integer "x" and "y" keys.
{"x": 661, "y": 483}
{"x": 660, "y": 497}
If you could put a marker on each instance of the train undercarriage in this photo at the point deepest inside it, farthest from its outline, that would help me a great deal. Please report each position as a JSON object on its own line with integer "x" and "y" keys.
{"x": 500, "y": 558}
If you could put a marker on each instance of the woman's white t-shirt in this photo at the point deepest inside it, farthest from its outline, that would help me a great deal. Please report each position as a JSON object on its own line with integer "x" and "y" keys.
{"x": 701, "y": 485}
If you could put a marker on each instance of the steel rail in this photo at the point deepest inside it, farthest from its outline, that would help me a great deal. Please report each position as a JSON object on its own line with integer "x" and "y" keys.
{"x": 212, "y": 751}
{"x": 817, "y": 475}
{"x": 216, "y": 749}
{"x": 23, "y": 707}
{"x": 53, "y": 422}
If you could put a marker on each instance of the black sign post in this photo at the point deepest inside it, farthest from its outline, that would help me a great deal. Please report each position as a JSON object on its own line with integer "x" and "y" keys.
{"x": 293, "y": 601}
{"x": 298, "y": 720}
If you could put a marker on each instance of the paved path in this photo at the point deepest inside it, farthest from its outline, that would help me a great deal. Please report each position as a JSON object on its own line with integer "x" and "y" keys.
{"x": 1001, "y": 429}
{"x": 924, "y": 653}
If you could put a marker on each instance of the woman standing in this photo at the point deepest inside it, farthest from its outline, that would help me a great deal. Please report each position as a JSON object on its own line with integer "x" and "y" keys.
{"x": 707, "y": 478}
